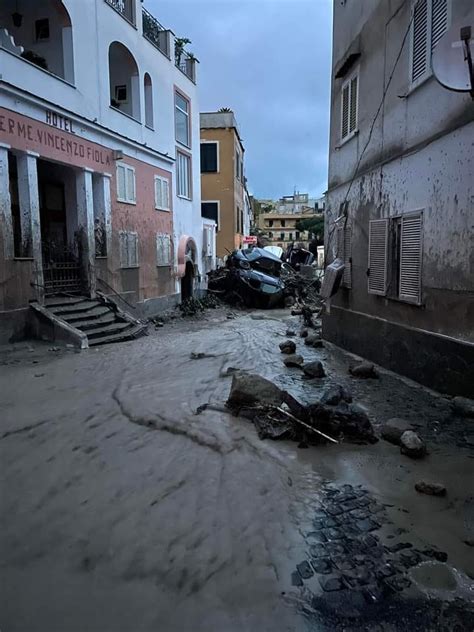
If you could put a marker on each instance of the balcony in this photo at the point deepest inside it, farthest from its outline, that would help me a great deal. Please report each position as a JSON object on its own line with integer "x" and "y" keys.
{"x": 125, "y": 8}
{"x": 156, "y": 33}
{"x": 186, "y": 62}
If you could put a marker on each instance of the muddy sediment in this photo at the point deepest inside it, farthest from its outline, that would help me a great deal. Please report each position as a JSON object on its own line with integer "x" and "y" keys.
{"x": 124, "y": 510}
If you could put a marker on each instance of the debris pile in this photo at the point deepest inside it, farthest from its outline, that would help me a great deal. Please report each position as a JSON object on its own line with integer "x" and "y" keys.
{"x": 258, "y": 278}
{"x": 194, "y": 306}
{"x": 276, "y": 414}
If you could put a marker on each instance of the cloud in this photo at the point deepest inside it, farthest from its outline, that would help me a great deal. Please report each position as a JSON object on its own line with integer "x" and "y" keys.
{"x": 269, "y": 60}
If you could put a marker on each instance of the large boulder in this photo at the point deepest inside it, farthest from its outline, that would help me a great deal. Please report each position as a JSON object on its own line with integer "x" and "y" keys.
{"x": 463, "y": 406}
{"x": 353, "y": 422}
{"x": 412, "y": 445}
{"x": 294, "y": 360}
{"x": 313, "y": 340}
{"x": 287, "y": 346}
{"x": 364, "y": 370}
{"x": 432, "y": 489}
{"x": 393, "y": 429}
{"x": 335, "y": 395}
{"x": 314, "y": 369}
{"x": 249, "y": 389}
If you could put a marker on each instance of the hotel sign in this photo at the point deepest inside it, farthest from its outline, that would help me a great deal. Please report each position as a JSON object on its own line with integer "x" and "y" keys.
{"x": 59, "y": 121}
{"x": 26, "y": 134}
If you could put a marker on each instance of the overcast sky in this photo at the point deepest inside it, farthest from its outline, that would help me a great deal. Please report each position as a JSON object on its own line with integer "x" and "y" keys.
{"x": 268, "y": 60}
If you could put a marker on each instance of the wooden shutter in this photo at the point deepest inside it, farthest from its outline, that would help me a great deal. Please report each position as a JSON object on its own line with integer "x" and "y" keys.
{"x": 166, "y": 193}
{"x": 345, "y": 111}
{"x": 132, "y": 249}
{"x": 420, "y": 40}
{"x": 158, "y": 192}
{"x": 378, "y": 239}
{"x": 410, "y": 259}
{"x": 130, "y": 184}
{"x": 439, "y": 21}
{"x": 340, "y": 242}
{"x": 353, "y": 104}
{"x": 121, "y": 187}
{"x": 123, "y": 239}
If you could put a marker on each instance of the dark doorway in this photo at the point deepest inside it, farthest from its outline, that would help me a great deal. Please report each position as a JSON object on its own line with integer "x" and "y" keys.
{"x": 187, "y": 282}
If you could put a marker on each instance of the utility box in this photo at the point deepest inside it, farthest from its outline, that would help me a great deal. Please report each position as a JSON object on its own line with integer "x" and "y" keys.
{"x": 332, "y": 278}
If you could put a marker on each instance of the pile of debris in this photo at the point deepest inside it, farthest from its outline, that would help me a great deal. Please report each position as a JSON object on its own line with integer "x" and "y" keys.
{"x": 258, "y": 278}
{"x": 193, "y": 306}
{"x": 276, "y": 414}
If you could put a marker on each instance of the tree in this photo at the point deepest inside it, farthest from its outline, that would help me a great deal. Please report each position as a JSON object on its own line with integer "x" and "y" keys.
{"x": 314, "y": 225}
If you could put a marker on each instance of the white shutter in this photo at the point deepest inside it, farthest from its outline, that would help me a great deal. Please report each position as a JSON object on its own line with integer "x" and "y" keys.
{"x": 163, "y": 250}
{"x": 410, "y": 259}
{"x": 439, "y": 21}
{"x": 158, "y": 192}
{"x": 347, "y": 275}
{"x": 166, "y": 194}
{"x": 121, "y": 188}
{"x": 130, "y": 184}
{"x": 132, "y": 250}
{"x": 354, "y": 104}
{"x": 345, "y": 111}
{"x": 378, "y": 239}
{"x": 123, "y": 242}
{"x": 420, "y": 34}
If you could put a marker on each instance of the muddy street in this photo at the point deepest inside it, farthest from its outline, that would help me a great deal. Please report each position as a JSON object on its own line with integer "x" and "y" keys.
{"x": 123, "y": 509}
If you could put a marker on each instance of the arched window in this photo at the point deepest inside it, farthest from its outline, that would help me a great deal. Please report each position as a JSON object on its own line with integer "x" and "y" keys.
{"x": 124, "y": 80}
{"x": 43, "y": 36}
{"x": 148, "y": 101}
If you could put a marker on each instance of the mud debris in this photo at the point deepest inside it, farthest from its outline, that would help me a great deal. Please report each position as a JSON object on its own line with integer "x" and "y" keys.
{"x": 412, "y": 445}
{"x": 287, "y": 346}
{"x": 431, "y": 489}
{"x": 364, "y": 370}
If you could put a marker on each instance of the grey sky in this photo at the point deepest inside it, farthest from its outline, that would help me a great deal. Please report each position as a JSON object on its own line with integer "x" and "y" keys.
{"x": 268, "y": 60}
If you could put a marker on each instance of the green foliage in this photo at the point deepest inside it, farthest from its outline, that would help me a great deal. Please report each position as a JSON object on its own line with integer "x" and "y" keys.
{"x": 315, "y": 225}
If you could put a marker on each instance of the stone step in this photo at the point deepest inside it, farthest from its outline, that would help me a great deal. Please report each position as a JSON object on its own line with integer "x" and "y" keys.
{"x": 96, "y": 323}
{"x": 128, "y": 334}
{"x": 83, "y": 306}
{"x": 58, "y": 301}
{"x": 114, "y": 328}
{"x": 95, "y": 312}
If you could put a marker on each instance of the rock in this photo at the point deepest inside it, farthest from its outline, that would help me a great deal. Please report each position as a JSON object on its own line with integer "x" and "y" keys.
{"x": 463, "y": 406}
{"x": 364, "y": 370}
{"x": 313, "y": 340}
{"x": 289, "y": 301}
{"x": 432, "y": 489}
{"x": 294, "y": 360}
{"x": 249, "y": 389}
{"x": 412, "y": 445}
{"x": 335, "y": 395}
{"x": 287, "y": 346}
{"x": 393, "y": 429}
{"x": 304, "y": 333}
{"x": 353, "y": 422}
{"x": 290, "y": 333}
{"x": 314, "y": 369}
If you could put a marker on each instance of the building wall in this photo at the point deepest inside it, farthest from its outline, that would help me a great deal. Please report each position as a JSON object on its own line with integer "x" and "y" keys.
{"x": 419, "y": 158}
{"x": 288, "y": 230}
{"x": 225, "y": 188}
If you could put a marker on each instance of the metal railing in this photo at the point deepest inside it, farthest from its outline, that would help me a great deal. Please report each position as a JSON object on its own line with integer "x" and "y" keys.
{"x": 124, "y": 8}
{"x": 187, "y": 64}
{"x": 156, "y": 33}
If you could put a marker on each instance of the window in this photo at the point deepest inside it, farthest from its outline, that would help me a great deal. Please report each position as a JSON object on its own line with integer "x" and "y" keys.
{"x": 208, "y": 241}
{"x": 270, "y": 222}
{"x": 210, "y": 210}
{"x": 297, "y": 235}
{"x": 126, "y": 184}
{"x": 282, "y": 236}
{"x": 128, "y": 249}
{"x": 349, "y": 107}
{"x": 148, "y": 86}
{"x": 184, "y": 175}
{"x": 237, "y": 164}
{"x": 344, "y": 251}
{"x": 209, "y": 158}
{"x": 430, "y": 22}
{"x": 162, "y": 194}
{"x": 163, "y": 250}
{"x": 182, "y": 119}
{"x": 121, "y": 94}
{"x": 42, "y": 30}
{"x": 395, "y": 257}
{"x": 282, "y": 223}
{"x": 241, "y": 221}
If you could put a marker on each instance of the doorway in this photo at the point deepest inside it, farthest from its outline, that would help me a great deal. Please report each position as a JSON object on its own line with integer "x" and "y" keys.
{"x": 187, "y": 282}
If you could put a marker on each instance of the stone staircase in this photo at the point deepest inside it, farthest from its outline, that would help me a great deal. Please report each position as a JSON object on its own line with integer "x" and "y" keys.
{"x": 99, "y": 319}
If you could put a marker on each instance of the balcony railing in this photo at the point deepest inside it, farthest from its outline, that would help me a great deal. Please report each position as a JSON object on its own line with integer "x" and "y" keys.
{"x": 156, "y": 33}
{"x": 124, "y": 8}
{"x": 186, "y": 62}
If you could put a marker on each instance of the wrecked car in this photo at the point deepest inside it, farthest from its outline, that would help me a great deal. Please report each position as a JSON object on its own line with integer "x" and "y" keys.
{"x": 297, "y": 256}
{"x": 250, "y": 277}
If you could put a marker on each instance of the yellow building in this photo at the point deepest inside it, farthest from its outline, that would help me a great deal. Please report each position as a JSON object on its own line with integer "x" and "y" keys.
{"x": 222, "y": 180}
{"x": 280, "y": 228}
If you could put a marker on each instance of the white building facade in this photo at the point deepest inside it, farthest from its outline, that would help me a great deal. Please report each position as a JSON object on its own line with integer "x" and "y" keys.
{"x": 99, "y": 157}
{"x": 400, "y": 203}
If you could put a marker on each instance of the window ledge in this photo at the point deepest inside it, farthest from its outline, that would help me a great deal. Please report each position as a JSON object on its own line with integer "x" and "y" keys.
{"x": 396, "y": 299}
{"x": 183, "y": 197}
{"x": 101, "y": 257}
{"x": 188, "y": 147}
{"x": 152, "y": 129}
{"x": 23, "y": 258}
{"x": 348, "y": 138}
{"x": 163, "y": 210}
{"x": 126, "y": 202}
{"x": 129, "y": 267}
{"x": 132, "y": 118}
{"x": 163, "y": 265}
{"x": 417, "y": 84}
{"x": 48, "y": 72}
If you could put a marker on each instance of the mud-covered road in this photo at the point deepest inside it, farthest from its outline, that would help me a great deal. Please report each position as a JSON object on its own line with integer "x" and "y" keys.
{"x": 123, "y": 510}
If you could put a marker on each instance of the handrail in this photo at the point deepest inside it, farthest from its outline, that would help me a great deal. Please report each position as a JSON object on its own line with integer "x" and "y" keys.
{"x": 116, "y": 293}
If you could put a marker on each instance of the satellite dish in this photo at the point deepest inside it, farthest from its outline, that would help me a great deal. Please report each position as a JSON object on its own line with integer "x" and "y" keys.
{"x": 453, "y": 57}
